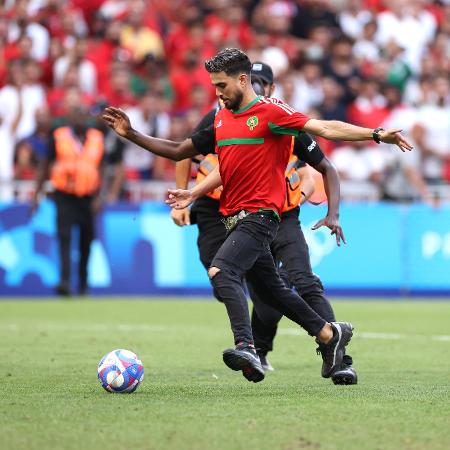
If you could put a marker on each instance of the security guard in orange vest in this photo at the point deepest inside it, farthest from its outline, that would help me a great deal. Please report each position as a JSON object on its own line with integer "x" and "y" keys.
{"x": 75, "y": 156}
{"x": 289, "y": 248}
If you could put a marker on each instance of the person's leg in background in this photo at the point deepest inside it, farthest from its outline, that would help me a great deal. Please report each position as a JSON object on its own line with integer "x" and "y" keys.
{"x": 86, "y": 221}
{"x": 211, "y": 235}
{"x": 264, "y": 321}
{"x": 64, "y": 223}
{"x": 291, "y": 249}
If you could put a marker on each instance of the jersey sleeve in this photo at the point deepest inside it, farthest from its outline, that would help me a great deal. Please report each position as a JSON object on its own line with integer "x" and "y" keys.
{"x": 307, "y": 149}
{"x": 285, "y": 120}
{"x": 204, "y": 140}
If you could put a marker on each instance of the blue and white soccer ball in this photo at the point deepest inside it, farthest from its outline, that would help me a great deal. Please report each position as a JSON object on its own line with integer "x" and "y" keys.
{"x": 120, "y": 371}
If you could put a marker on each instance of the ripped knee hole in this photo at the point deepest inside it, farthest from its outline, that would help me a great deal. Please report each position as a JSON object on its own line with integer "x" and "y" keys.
{"x": 213, "y": 271}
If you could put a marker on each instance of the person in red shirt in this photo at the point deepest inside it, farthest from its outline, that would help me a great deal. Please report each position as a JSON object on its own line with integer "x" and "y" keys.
{"x": 253, "y": 144}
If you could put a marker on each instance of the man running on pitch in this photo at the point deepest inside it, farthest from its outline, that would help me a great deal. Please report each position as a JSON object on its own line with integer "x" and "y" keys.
{"x": 254, "y": 130}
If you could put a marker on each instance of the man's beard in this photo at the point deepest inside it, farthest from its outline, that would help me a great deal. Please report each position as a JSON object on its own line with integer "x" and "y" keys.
{"x": 234, "y": 104}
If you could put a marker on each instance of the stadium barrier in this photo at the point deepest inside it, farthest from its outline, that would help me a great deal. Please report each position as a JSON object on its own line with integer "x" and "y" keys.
{"x": 391, "y": 250}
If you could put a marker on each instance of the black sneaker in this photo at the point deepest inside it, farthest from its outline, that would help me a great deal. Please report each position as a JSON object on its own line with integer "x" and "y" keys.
{"x": 345, "y": 374}
{"x": 244, "y": 358}
{"x": 265, "y": 364}
{"x": 333, "y": 352}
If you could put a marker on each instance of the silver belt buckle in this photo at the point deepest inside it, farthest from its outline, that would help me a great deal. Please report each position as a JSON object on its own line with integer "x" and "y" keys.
{"x": 231, "y": 221}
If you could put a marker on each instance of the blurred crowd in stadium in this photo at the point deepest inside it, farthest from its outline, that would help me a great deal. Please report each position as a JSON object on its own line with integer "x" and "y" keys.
{"x": 369, "y": 62}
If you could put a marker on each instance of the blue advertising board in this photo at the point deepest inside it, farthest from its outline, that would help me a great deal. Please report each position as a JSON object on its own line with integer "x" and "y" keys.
{"x": 138, "y": 250}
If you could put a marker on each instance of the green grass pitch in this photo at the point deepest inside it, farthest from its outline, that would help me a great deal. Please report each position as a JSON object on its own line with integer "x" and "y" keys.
{"x": 50, "y": 397}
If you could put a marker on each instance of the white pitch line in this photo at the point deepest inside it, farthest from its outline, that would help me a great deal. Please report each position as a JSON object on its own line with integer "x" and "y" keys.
{"x": 364, "y": 335}
{"x": 97, "y": 327}
{"x": 369, "y": 335}
{"x": 442, "y": 338}
{"x": 90, "y": 327}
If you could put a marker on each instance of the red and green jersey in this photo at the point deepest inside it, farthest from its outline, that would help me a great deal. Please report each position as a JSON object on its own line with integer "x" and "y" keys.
{"x": 254, "y": 145}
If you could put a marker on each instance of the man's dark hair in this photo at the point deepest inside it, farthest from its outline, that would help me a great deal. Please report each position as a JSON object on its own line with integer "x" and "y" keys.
{"x": 232, "y": 61}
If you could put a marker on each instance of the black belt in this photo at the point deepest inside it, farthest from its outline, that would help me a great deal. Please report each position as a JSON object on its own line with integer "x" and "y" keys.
{"x": 231, "y": 221}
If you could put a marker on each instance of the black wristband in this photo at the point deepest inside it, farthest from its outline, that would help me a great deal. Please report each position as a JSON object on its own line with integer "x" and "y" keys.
{"x": 376, "y": 134}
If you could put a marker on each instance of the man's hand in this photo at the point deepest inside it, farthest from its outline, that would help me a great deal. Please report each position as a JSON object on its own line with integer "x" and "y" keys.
{"x": 332, "y": 222}
{"x": 181, "y": 217}
{"x": 394, "y": 137}
{"x": 117, "y": 120}
{"x": 179, "y": 198}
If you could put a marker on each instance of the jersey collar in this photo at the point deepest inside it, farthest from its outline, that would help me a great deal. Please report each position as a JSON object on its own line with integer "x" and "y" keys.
{"x": 249, "y": 105}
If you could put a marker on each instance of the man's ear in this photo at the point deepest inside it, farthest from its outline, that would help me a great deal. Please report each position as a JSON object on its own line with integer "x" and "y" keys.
{"x": 243, "y": 78}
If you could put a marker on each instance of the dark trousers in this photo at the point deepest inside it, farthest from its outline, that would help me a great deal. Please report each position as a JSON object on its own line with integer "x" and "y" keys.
{"x": 74, "y": 211}
{"x": 246, "y": 251}
{"x": 211, "y": 230}
{"x": 289, "y": 249}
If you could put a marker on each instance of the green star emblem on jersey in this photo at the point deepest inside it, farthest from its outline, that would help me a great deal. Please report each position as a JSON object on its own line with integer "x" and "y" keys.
{"x": 252, "y": 122}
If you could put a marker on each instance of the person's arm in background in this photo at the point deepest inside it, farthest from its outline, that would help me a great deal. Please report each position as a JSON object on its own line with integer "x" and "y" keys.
{"x": 307, "y": 183}
{"x": 16, "y": 120}
{"x": 112, "y": 173}
{"x": 181, "y": 217}
{"x": 309, "y": 151}
{"x": 182, "y": 198}
{"x": 117, "y": 120}
{"x": 417, "y": 181}
{"x": 115, "y": 169}
{"x": 43, "y": 173}
{"x": 117, "y": 181}
{"x": 418, "y": 134}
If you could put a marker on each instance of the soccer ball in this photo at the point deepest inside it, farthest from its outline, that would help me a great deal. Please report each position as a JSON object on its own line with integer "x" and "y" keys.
{"x": 120, "y": 371}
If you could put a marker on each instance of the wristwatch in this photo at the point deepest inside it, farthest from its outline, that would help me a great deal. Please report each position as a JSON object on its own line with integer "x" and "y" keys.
{"x": 376, "y": 134}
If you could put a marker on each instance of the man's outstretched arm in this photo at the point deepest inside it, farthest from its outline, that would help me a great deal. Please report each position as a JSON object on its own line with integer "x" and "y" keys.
{"x": 336, "y": 130}
{"x": 120, "y": 123}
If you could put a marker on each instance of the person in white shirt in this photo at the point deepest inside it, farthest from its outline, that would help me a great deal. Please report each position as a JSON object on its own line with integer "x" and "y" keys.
{"x": 431, "y": 131}
{"x": 21, "y": 24}
{"x": 19, "y": 102}
{"x": 75, "y": 56}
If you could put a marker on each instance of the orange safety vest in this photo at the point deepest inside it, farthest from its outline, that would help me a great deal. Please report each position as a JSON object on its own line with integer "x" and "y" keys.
{"x": 206, "y": 166}
{"x": 77, "y": 168}
{"x": 293, "y": 189}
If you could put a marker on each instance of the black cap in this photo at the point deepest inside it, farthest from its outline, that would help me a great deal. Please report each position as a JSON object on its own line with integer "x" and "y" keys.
{"x": 263, "y": 71}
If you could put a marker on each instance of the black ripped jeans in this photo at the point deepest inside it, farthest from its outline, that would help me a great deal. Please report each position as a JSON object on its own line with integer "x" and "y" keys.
{"x": 246, "y": 250}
